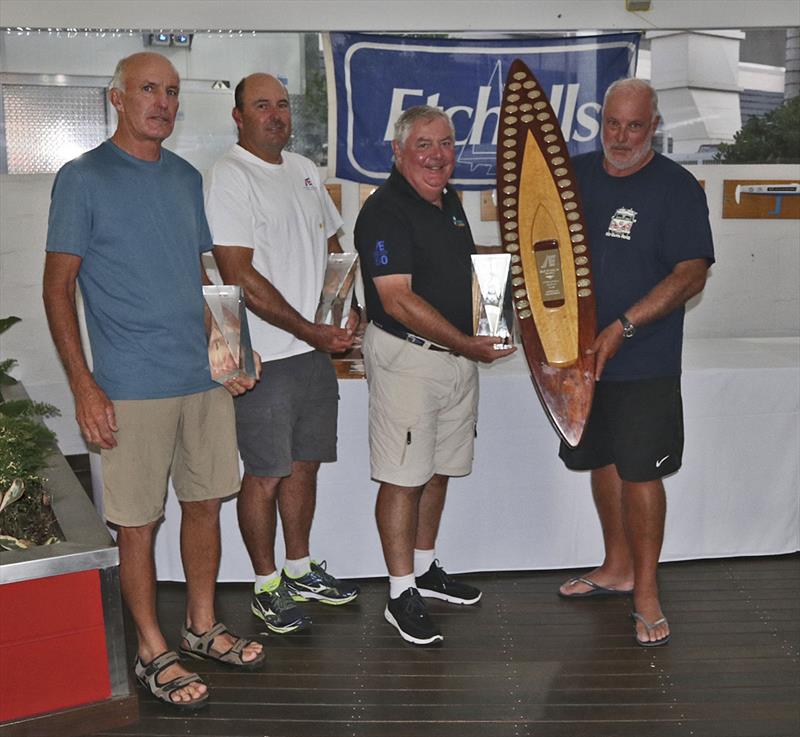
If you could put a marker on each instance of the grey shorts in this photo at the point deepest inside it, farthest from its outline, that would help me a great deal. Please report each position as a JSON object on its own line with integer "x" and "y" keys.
{"x": 423, "y": 406}
{"x": 190, "y": 438}
{"x": 636, "y": 425}
{"x": 289, "y": 416}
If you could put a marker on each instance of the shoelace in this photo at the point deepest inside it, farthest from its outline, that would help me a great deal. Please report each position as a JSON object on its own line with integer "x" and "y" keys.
{"x": 415, "y": 605}
{"x": 319, "y": 571}
{"x": 440, "y": 573}
{"x": 281, "y": 599}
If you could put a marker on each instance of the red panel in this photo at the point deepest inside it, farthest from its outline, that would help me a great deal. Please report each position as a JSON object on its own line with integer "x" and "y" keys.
{"x": 52, "y": 645}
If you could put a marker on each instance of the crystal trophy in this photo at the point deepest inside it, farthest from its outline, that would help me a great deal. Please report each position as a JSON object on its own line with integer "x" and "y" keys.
{"x": 230, "y": 353}
{"x": 337, "y": 289}
{"x": 491, "y": 313}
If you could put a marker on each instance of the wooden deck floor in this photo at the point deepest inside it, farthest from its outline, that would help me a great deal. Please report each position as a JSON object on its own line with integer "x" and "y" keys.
{"x": 523, "y": 662}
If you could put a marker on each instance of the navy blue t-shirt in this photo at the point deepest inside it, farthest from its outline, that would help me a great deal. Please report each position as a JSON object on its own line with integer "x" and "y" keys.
{"x": 639, "y": 228}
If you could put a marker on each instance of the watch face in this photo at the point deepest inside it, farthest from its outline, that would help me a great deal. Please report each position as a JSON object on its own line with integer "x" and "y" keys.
{"x": 628, "y": 328}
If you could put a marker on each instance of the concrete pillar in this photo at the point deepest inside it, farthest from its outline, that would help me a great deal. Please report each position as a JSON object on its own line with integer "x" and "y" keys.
{"x": 696, "y": 76}
{"x": 792, "y": 79}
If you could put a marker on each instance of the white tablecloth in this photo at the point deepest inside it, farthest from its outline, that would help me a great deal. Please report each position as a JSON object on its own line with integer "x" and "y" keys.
{"x": 738, "y": 492}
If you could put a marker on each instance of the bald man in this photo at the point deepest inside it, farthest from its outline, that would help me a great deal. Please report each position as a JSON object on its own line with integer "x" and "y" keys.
{"x": 127, "y": 223}
{"x": 651, "y": 246}
{"x": 273, "y": 225}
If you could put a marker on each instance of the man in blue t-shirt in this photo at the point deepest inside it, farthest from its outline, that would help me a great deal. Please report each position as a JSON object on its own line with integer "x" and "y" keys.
{"x": 127, "y": 224}
{"x": 651, "y": 247}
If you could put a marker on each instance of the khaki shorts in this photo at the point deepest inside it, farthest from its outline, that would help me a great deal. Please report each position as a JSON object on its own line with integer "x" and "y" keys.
{"x": 423, "y": 407}
{"x": 192, "y": 438}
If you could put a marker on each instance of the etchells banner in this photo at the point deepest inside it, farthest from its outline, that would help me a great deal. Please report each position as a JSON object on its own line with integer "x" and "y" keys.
{"x": 373, "y": 78}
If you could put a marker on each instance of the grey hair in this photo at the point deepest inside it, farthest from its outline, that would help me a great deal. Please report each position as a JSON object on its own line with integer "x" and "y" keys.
{"x": 118, "y": 80}
{"x": 635, "y": 84}
{"x": 407, "y": 119}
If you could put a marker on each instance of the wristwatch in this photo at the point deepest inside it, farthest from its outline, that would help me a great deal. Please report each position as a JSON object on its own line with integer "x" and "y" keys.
{"x": 628, "y": 328}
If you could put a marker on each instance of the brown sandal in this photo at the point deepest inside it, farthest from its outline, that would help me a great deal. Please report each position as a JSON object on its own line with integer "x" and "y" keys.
{"x": 147, "y": 675}
{"x": 200, "y": 647}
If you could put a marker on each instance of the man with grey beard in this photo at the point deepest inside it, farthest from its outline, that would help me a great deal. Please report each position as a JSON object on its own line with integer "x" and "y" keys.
{"x": 651, "y": 247}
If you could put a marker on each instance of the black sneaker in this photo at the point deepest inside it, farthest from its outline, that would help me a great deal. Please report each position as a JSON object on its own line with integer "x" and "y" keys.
{"x": 436, "y": 584}
{"x": 278, "y": 611}
{"x": 409, "y": 615}
{"x": 320, "y": 585}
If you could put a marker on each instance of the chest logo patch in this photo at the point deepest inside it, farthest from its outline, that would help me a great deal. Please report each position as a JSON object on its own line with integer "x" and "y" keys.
{"x": 308, "y": 184}
{"x": 621, "y": 224}
{"x": 380, "y": 254}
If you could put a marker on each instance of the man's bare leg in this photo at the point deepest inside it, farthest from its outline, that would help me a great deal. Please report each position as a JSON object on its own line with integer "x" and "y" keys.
{"x": 256, "y": 509}
{"x": 616, "y": 571}
{"x": 431, "y": 505}
{"x": 644, "y": 508}
{"x": 297, "y": 500}
{"x": 200, "y": 552}
{"x": 397, "y": 515}
{"x": 137, "y": 574}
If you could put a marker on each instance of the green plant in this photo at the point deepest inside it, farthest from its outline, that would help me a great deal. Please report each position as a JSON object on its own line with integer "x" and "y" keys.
{"x": 26, "y": 517}
{"x": 773, "y": 138}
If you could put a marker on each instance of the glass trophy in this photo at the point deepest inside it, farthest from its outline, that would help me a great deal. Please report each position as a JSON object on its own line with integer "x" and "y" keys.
{"x": 491, "y": 311}
{"x": 337, "y": 289}
{"x": 230, "y": 353}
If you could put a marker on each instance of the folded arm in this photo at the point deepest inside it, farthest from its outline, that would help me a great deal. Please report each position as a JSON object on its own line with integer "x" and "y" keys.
{"x": 401, "y": 303}
{"x": 685, "y": 281}
{"x": 236, "y": 267}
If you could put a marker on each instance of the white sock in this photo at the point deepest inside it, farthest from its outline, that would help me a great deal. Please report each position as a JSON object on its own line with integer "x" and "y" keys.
{"x": 267, "y": 583}
{"x": 423, "y": 560}
{"x": 399, "y": 584}
{"x": 297, "y": 568}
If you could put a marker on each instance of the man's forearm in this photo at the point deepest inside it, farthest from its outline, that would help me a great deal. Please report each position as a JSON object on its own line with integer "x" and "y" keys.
{"x": 419, "y": 316}
{"x": 687, "y": 280}
{"x": 269, "y": 304}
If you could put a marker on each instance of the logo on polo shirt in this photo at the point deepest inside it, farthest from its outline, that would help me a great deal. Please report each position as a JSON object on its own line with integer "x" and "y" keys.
{"x": 380, "y": 255}
{"x": 622, "y": 223}
{"x": 308, "y": 184}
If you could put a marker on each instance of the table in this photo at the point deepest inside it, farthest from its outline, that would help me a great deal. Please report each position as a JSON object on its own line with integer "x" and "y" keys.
{"x": 737, "y": 494}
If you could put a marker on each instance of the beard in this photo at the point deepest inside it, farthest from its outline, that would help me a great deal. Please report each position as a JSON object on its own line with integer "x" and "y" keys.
{"x": 629, "y": 157}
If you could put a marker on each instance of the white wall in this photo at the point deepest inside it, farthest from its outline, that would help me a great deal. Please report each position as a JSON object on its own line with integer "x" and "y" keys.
{"x": 753, "y": 290}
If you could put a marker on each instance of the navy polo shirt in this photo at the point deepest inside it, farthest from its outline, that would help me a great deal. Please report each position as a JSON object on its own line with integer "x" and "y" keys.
{"x": 398, "y": 232}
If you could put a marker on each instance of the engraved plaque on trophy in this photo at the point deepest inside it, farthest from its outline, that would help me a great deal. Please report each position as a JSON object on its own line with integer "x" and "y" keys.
{"x": 337, "y": 289}
{"x": 491, "y": 315}
{"x": 230, "y": 353}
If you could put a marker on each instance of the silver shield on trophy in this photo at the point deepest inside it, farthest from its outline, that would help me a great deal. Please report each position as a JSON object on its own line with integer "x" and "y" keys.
{"x": 337, "y": 289}
{"x": 491, "y": 315}
{"x": 230, "y": 353}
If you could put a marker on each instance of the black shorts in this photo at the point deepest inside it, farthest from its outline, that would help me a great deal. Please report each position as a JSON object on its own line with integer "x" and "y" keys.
{"x": 290, "y": 415}
{"x": 636, "y": 425}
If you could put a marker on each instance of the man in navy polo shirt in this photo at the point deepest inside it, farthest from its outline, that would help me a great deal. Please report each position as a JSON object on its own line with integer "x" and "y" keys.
{"x": 651, "y": 247}
{"x": 420, "y": 355}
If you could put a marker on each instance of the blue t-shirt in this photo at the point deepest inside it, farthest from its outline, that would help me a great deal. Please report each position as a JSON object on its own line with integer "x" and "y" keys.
{"x": 139, "y": 228}
{"x": 639, "y": 228}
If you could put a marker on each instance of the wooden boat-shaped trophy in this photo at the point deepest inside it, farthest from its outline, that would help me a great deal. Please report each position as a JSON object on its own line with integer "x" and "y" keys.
{"x": 543, "y": 229}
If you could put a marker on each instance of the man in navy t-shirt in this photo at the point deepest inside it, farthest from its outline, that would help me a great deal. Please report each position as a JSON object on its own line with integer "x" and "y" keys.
{"x": 651, "y": 247}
